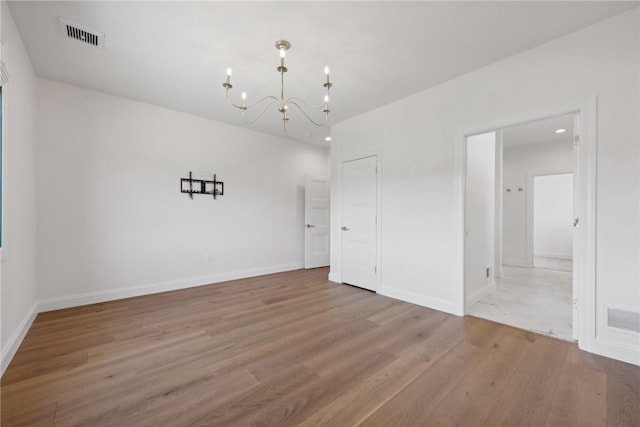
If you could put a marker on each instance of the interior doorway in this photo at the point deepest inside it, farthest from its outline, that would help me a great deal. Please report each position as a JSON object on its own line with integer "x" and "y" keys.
{"x": 528, "y": 244}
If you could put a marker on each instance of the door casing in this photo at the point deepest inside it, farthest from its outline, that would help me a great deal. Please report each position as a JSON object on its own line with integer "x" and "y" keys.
{"x": 584, "y": 241}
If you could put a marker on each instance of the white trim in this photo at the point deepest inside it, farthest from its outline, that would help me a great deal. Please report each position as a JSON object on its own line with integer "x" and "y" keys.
{"x": 425, "y": 301}
{"x": 333, "y": 277}
{"x": 478, "y": 294}
{"x": 584, "y": 262}
{"x": 516, "y": 263}
{"x": 379, "y": 220}
{"x": 498, "y": 203}
{"x": 154, "y": 288}
{"x": 615, "y": 350}
{"x": 460, "y": 177}
{"x": 558, "y": 255}
{"x": 13, "y": 343}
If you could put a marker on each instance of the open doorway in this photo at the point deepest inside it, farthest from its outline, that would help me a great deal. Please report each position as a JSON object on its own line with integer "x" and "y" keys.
{"x": 527, "y": 243}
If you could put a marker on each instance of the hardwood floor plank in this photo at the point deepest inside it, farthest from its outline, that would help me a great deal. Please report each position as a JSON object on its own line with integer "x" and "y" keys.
{"x": 357, "y": 402}
{"x": 315, "y": 394}
{"x": 258, "y": 397}
{"x": 526, "y": 399}
{"x": 623, "y": 386}
{"x": 417, "y": 400}
{"x": 470, "y": 402}
{"x": 191, "y": 405}
{"x": 45, "y": 365}
{"x": 623, "y": 389}
{"x": 420, "y": 396}
{"x": 579, "y": 399}
{"x": 291, "y": 349}
{"x": 40, "y": 415}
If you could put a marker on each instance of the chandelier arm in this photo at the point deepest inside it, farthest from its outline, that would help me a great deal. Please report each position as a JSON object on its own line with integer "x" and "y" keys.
{"x": 240, "y": 107}
{"x": 293, "y": 98}
{"x": 305, "y": 114}
{"x": 261, "y": 111}
{"x": 232, "y": 104}
{"x": 263, "y": 99}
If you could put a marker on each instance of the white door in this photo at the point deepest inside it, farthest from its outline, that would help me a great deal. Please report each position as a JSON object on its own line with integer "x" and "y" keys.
{"x": 359, "y": 200}
{"x": 316, "y": 218}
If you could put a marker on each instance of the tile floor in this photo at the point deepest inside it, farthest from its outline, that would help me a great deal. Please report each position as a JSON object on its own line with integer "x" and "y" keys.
{"x": 535, "y": 299}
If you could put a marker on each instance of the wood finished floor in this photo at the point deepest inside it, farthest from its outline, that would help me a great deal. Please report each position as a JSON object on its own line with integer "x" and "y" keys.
{"x": 293, "y": 349}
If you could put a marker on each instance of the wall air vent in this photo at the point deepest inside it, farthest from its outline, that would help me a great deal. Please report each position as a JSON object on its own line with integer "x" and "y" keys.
{"x": 623, "y": 319}
{"x": 81, "y": 33}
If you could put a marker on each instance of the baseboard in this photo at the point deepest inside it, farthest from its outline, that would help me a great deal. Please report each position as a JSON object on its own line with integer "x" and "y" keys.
{"x": 334, "y": 278}
{"x": 429, "y": 302}
{"x": 173, "y": 285}
{"x": 13, "y": 343}
{"x": 553, "y": 255}
{"x": 515, "y": 262}
{"x": 478, "y": 294}
{"x": 615, "y": 350}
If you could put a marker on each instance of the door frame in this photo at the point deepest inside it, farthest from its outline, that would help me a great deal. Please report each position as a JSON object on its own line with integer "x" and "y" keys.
{"x": 378, "y": 156}
{"x": 585, "y": 253}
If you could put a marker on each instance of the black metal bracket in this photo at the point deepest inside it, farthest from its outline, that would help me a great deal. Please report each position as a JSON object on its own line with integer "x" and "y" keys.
{"x": 201, "y": 186}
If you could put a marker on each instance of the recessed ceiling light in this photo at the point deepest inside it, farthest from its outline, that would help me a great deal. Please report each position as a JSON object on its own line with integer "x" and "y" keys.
{"x": 561, "y": 130}
{"x": 328, "y": 139}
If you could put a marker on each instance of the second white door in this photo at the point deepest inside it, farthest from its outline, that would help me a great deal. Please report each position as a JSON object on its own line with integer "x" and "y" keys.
{"x": 316, "y": 216}
{"x": 359, "y": 206}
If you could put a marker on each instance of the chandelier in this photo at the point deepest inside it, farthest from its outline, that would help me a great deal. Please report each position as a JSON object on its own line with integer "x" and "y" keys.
{"x": 282, "y": 103}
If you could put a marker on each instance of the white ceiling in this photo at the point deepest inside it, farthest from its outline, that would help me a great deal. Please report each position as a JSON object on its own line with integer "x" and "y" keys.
{"x": 174, "y": 54}
{"x": 539, "y": 131}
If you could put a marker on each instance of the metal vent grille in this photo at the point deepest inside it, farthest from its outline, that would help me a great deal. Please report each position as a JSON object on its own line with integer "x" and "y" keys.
{"x": 623, "y": 319}
{"x": 81, "y": 33}
{"x": 83, "y": 36}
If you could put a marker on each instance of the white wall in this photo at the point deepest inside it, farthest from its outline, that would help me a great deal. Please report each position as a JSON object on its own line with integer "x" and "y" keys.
{"x": 520, "y": 164}
{"x": 480, "y": 239}
{"x": 18, "y": 291}
{"x": 112, "y": 221}
{"x": 416, "y": 138}
{"x": 553, "y": 215}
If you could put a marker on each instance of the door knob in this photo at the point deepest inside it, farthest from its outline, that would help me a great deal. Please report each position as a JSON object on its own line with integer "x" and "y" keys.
{"x": 345, "y": 228}
{"x": 310, "y": 225}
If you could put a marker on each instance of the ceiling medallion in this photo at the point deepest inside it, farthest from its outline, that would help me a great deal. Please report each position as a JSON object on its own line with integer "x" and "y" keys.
{"x": 283, "y": 104}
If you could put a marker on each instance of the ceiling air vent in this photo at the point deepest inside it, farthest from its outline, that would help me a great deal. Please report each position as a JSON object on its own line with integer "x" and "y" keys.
{"x": 81, "y": 33}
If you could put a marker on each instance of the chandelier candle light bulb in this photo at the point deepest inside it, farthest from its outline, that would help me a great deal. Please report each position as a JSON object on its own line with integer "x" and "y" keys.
{"x": 227, "y": 85}
{"x": 283, "y": 103}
